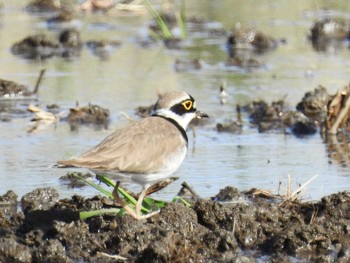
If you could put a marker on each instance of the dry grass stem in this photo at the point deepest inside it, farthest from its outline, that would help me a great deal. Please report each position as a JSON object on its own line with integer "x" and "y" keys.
{"x": 297, "y": 193}
{"x": 338, "y": 111}
{"x": 126, "y": 116}
{"x": 117, "y": 257}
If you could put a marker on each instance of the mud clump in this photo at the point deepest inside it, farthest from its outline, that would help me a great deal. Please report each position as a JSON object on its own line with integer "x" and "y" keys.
{"x": 252, "y": 39}
{"x": 242, "y": 228}
{"x": 14, "y": 97}
{"x": 10, "y": 88}
{"x": 231, "y": 127}
{"x": 90, "y": 114}
{"x": 314, "y": 104}
{"x": 43, "y": 6}
{"x": 329, "y": 34}
{"x": 38, "y": 46}
{"x": 48, "y": 197}
{"x": 274, "y": 118}
{"x": 245, "y": 44}
{"x": 41, "y": 46}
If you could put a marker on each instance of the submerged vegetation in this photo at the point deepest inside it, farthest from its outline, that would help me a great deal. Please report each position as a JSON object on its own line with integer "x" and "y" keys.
{"x": 165, "y": 32}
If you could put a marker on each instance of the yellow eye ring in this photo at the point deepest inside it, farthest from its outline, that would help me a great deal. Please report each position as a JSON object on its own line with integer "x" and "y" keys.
{"x": 187, "y": 104}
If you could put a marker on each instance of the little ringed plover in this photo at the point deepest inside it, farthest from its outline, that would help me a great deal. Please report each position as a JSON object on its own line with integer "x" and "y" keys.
{"x": 146, "y": 151}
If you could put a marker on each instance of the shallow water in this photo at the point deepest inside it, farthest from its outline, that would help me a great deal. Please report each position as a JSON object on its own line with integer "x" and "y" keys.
{"x": 133, "y": 75}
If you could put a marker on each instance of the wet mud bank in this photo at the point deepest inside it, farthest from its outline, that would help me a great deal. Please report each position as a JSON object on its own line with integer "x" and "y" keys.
{"x": 233, "y": 226}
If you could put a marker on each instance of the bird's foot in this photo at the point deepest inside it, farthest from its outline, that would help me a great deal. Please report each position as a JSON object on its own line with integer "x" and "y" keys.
{"x": 138, "y": 216}
{"x": 134, "y": 213}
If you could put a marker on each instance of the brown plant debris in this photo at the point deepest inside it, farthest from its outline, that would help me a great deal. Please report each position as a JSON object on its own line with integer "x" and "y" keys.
{"x": 338, "y": 111}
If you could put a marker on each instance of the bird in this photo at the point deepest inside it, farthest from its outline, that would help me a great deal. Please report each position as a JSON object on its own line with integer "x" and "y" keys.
{"x": 223, "y": 93}
{"x": 146, "y": 151}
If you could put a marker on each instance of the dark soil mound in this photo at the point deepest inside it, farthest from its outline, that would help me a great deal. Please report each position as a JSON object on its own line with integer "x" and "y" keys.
{"x": 242, "y": 229}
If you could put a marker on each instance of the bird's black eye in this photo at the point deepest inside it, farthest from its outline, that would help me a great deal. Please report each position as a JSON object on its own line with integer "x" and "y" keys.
{"x": 187, "y": 104}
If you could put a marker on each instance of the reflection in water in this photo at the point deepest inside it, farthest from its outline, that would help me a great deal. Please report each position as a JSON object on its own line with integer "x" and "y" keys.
{"x": 338, "y": 148}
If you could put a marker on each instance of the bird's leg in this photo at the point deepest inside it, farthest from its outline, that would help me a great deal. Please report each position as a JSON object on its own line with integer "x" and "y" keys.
{"x": 139, "y": 201}
{"x": 116, "y": 196}
{"x": 121, "y": 202}
{"x": 137, "y": 215}
{"x": 139, "y": 205}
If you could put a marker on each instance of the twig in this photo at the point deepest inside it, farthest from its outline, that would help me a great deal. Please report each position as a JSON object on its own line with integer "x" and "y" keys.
{"x": 111, "y": 256}
{"x": 189, "y": 188}
{"x": 234, "y": 225}
{"x": 338, "y": 110}
{"x": 343, "y": 113}
{"x": 279, "y": 187}
{"x": 36, "y": 89}
{"x": 126, "y": 116}
{"x": 160, "y": 185}
{"x": 313, "y": 216}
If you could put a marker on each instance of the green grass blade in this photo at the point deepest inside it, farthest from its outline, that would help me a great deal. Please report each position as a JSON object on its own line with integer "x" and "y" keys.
{"x": 148, "y": 202}
{"x": 109, "y": 182}
{"x": 181, "y": 24}
{"x": 129, "y": 198}
{"x": 87, "y": 214}
{"x": 161, "y": 23}
{"x": 176, "y": 198}
{"x": 181, "y": 20}
{"x": 96, "y": 186}
{"x": 106, "y": 180}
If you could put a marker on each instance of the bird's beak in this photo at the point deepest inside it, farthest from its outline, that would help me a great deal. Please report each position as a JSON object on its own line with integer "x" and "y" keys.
{"x": 200, "y": 114}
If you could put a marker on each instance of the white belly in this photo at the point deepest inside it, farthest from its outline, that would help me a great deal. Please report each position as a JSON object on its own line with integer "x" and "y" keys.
{"x": 172, "y": 164}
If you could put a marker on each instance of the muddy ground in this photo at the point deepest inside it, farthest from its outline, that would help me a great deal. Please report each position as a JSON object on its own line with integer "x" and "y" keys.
{"x": 231, "y": 227}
